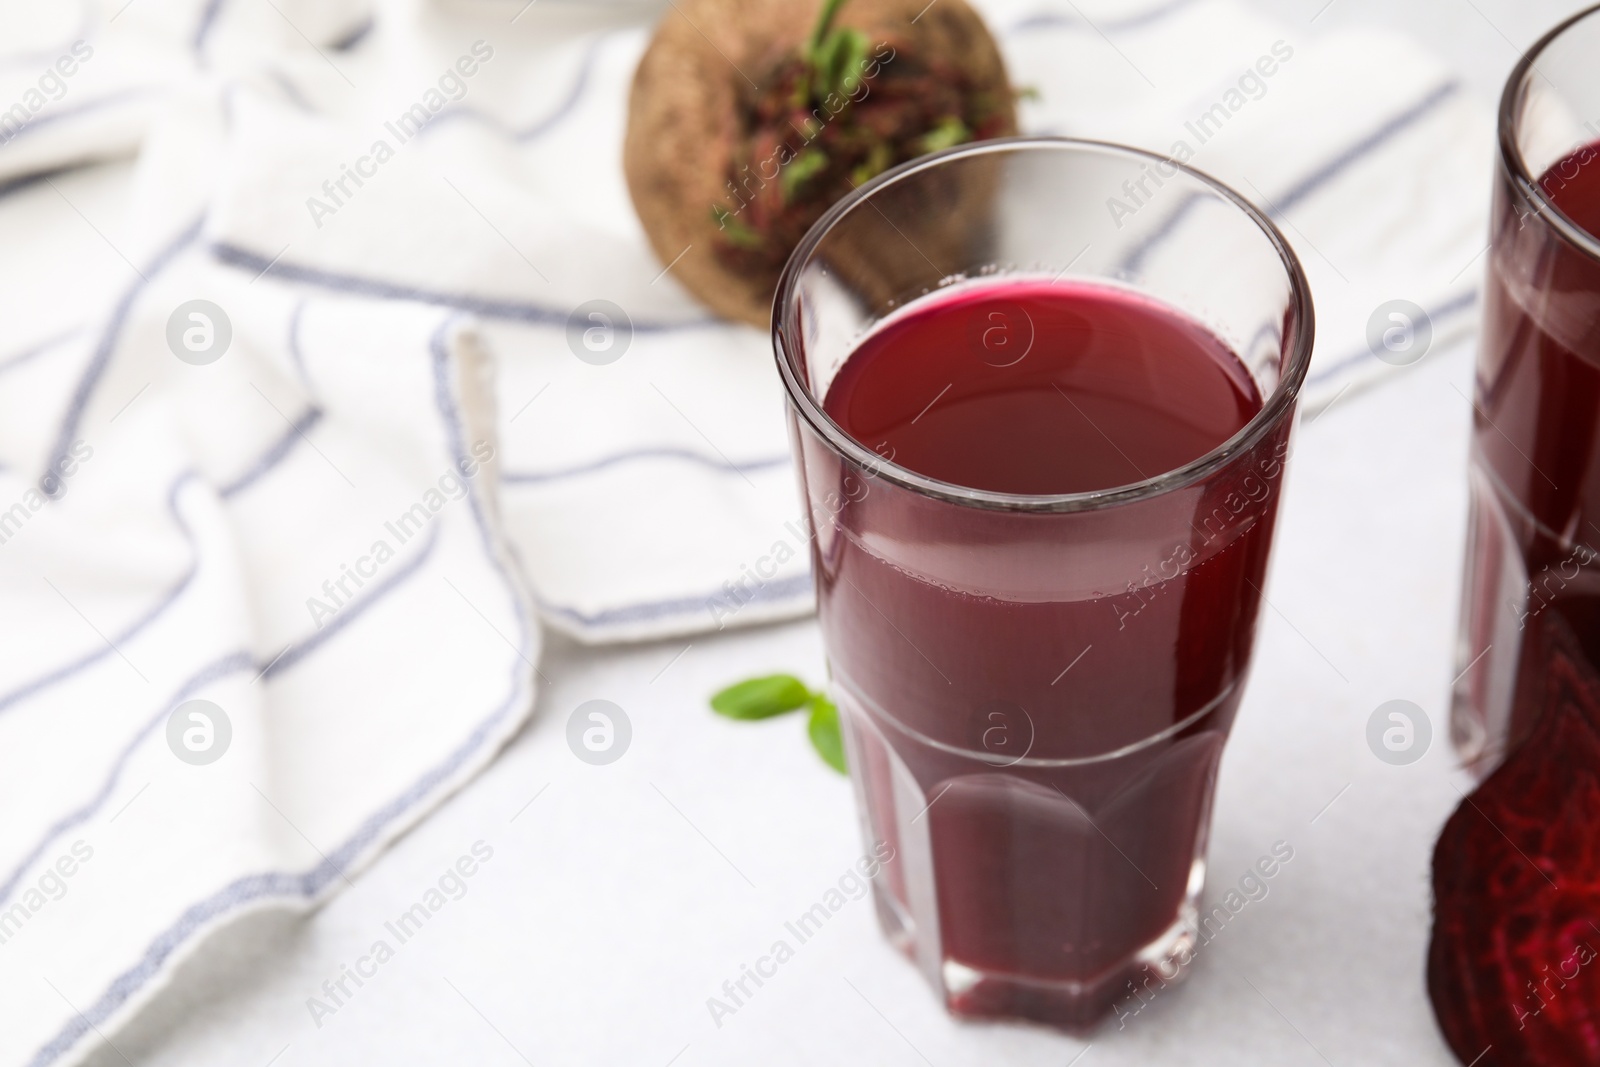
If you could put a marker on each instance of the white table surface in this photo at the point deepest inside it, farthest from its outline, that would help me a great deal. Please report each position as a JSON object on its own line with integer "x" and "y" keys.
{"x": 623, "y": 896}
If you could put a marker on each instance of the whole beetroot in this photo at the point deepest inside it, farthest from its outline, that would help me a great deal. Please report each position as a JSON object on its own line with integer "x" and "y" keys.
{"x": 748, "y": 119}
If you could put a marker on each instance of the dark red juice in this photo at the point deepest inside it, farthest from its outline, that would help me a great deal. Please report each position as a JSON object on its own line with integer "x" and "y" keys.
{"x": 1532, "y": 555}
{"x": 1036, "y": 703}
{"x": 1082, "y": 388}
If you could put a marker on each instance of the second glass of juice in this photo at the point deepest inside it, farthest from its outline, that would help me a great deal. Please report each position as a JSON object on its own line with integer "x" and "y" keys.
{"x": 1041, "y": 395}
{"x": 1532, "y": 596}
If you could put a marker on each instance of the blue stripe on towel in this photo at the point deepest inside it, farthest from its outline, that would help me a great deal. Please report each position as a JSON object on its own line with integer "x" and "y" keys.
{"x": 318, "y": 638}
{"x": 1313, "y": 182}
{"x": 29, "y": 354}
{"x": 1133, "y": 262}
{"x": 208, "y": 21}
{"x": 1448, "y": 310}
{"x": 211, "y": 672}
{"x": 488, "y": 307}
{"x": 542, "y": 126}
{"x": 688, "y": 455}
{"x": 308, "y": 885}
{"x": 297, "y": 352}
{"x": 776, "y": 590}
{"x": 108, "y": 342}
{"x": 274, "y": 455}
{"x": 22, "y": 183}
{"x": 252, "y": 474}
{"x": 277, "y": 885}
{"x": 1342, "y": 162}
{"x": 107, "y": 648}
{"x": 230, "y": 664}
{"x": 12, "y": 186}
{"x": 209, "y": 17}
{"x": 291, "y": 91}
{"x": 48, "y": 118}
{"x": 358, "y": 33}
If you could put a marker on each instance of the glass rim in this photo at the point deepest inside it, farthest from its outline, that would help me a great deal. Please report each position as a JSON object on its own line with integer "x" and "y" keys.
{"x": 1508, "y": 122}
{"x": 785, "y": 339}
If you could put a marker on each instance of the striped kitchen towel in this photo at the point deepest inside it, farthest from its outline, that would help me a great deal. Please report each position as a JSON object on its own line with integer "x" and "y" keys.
{"x": 296, "y": 445}
{"x": 261, "y": 614}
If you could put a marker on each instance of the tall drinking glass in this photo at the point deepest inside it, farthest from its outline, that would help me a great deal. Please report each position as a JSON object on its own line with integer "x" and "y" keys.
{"x": 1533, "y": 569}
{"x": 1036, "y": 689}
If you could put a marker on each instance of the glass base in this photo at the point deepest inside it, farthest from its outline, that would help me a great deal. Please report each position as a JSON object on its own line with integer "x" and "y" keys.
{"x": 1074, "y": 1006}
{"x": 1063, "y": 906}
{"x": 1077, "y": 1007}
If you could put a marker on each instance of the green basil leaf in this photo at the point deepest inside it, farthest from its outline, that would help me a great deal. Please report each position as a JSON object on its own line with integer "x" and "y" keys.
{"x": 824, "y": 731}
{"x": 762, "y": 698}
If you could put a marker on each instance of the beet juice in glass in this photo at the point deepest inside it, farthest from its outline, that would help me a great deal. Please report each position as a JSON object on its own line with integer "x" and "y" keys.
{"x": 1041, "y": 396}
{"x": 1533, "y": 549}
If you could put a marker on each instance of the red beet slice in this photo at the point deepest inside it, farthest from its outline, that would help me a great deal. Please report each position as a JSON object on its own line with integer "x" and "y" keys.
{"x": 1514, "y": 966}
